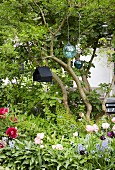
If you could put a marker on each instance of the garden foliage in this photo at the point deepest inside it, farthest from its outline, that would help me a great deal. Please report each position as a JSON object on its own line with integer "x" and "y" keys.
{"x": 29, "y": 142}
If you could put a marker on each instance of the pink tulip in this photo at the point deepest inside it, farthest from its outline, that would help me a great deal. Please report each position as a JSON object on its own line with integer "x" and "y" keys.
{"x": 113, "y": 119}
{"x": 113, "y": 128}
{"x": 38, "y": 141}
{"x": 96, "y": 128}
{"x": 40, "y": 135}
{"x": 89, "y": 128}
{"x": 59, "y": 147}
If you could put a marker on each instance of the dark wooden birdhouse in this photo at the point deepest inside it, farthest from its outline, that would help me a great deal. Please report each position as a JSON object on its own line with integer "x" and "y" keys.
{"x": 42, "y": 74}
{"x": 110, "y": 105}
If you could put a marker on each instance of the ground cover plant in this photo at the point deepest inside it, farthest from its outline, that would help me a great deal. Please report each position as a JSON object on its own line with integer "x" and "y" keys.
{"x": 29, "y": 142}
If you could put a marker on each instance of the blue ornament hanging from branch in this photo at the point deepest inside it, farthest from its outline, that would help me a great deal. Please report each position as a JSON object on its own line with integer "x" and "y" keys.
{"x": 69, "y": 50}
{"x": 78, "y": 63}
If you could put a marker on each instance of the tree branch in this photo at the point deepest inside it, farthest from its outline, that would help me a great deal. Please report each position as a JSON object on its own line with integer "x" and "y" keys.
{"x": 92, "y": 57}
{"x": 60, "y": 26}
{"x": 58, "y": 61}
{"x": 43, "y": 18}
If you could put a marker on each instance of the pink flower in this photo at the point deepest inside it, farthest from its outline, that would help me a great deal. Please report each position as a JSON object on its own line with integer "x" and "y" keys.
{"x": 3, "y": 112}
{"x": 12, "y": 132}
{"x": 113, "y": 128}
{"x": 89, "y": 128}
{"x": 13, "y": 119}
{"x": 96, "y": 128}
{"x": 38, "y": 141}
{"x": 58, "y": 147}
{"x": 40, "y": 135}
{"x": 113, "y": 119}
{"x": 2, "y": 144}
{"x": 105, "y": 125}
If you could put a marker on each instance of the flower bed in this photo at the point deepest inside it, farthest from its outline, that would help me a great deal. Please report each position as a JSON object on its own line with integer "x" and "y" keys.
{"x": 35, "y": 143}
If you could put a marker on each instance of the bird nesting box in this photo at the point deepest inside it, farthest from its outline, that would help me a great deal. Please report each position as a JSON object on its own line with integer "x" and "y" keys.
{"x": 42, "y": 74}
{"x": 110, "y": 105}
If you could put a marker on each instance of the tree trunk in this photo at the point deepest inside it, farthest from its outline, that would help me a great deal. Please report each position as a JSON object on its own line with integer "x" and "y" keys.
{"x": 87, "y": 85}
{"x": 82, "y": 93}
{"x": 64, "y": 92}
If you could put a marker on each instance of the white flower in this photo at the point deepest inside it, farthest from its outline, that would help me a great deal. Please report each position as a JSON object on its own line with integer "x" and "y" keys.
{"x": 58, "y": 147}
{"x": 105, "y": 125}
{"x": 113, "y": 119}
{"x": 53, "y": 146}
{"x": 41, "y": 146}
{"x": 75, "y": 134}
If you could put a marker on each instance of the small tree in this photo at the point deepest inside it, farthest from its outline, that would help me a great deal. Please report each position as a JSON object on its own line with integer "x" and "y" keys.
{"x": 34, "y": 32}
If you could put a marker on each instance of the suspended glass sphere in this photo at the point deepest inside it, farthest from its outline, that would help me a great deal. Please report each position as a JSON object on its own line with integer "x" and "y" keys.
{"x": 78, "y": 64}
{"x": 69, "y": 51}
{"x": 78, "y": 49}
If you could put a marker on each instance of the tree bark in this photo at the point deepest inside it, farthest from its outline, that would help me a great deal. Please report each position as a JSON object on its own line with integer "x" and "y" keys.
{"x": 64, "y": 92}
{"x": 82, "y": 93}
{"x": 87, "y": 85}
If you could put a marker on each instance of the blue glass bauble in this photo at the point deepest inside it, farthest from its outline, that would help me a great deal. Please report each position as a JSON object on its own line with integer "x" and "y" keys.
{"x": 69, "y": 51}
{"x": 78, "y": 64}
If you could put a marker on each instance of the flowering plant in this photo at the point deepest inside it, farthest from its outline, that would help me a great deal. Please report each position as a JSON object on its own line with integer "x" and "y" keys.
{"x": 12, "y": 132}
{"x": 3, "y": 112}
{"x": 57, "y": 147}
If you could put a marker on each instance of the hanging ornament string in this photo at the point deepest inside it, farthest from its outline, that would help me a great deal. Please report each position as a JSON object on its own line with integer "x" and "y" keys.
{"x": 78, "y": 63}
{"x": 78, "y": 50}
{"x": 68, "y": 29}
{"x": 79, "y": 29}
{"x": 69, "y": 50}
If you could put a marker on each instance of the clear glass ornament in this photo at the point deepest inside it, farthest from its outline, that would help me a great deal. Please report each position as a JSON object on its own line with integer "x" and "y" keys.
{"x": 69, "y": 51}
